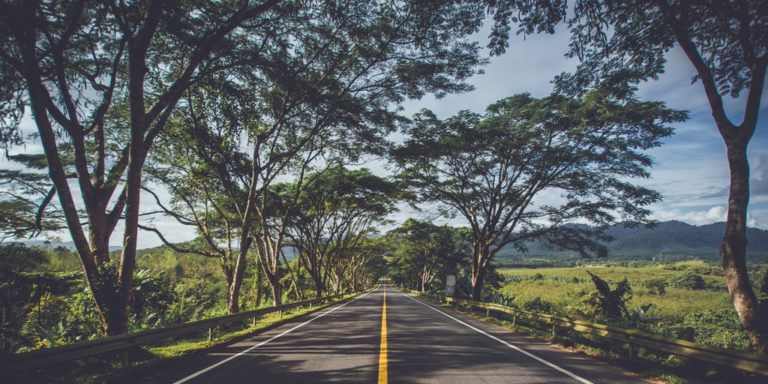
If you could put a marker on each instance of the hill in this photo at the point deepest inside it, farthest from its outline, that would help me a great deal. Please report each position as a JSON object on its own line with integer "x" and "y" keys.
{"x": 668, "y": 240}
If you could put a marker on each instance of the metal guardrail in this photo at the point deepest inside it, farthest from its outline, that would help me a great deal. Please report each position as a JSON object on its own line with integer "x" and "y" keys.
{"x": 45, "y": 357}
{"x": 747, "y": 362}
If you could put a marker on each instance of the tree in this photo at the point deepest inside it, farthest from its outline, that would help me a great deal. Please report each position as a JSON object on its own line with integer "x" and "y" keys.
{"x": 104, "y": 77}
{"x": 490, "y": 168}
{"x": 326, "y": 88}
{"x": 331, "y": 220}
{"x": 326, "y": 216}
{"x": 423, "y": 251}
{"x": 727, "y": 44}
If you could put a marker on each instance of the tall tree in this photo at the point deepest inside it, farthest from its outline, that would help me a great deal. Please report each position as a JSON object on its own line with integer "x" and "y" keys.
{"x": 493, "y": 169}
{"x": 332, "y": 218}
{"x": 104, "y": 77}
{"x": 328, "y": 86}
{"x": 727, "y": 44}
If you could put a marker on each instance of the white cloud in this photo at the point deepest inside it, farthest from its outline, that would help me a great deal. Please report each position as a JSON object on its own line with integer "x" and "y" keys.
{"x": 714, "y": 214}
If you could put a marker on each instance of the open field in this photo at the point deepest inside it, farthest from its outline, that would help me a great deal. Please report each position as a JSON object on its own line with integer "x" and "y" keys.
{"x": 706, "y": 312}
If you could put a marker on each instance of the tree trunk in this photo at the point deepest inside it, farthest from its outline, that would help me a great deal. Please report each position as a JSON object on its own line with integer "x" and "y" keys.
{"x": 478, "y": 279}
{"x": 259, "y": 276}
{"x": 277, "y": 292}
{"x": 734, "y": 249}
{"x": 319, "y": 287}
{"x": 479, "y": 263}
{"x": 233, "y": 298}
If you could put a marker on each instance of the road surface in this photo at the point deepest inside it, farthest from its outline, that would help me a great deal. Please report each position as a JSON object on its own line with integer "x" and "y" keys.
{"x": 386, "y": 336}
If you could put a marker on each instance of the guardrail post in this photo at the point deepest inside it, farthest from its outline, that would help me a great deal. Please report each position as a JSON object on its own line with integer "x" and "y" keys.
{"x": 210, "y": 334}
{"x": 631, "y": 352}
{"x": 487, "y": 312}
{"x": 255, "y": 320}
{"x": 514, "y": 320}
{"x": 553, "y": 331}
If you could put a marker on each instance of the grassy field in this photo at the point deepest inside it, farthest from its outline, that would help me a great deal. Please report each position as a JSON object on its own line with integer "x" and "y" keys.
{"x": 707, "y": 311}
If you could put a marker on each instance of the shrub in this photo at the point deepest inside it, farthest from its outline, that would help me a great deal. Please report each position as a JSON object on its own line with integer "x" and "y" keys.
{"x": 539, "y": 305}
{"x": 610, "y": 303}
{"x": 720, "y": 328}
{"x": 689, "y": 280}
{"x": 656, "y": 287}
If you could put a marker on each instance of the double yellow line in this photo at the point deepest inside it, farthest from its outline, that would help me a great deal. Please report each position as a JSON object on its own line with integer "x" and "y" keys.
{"x": 383, "y": 347}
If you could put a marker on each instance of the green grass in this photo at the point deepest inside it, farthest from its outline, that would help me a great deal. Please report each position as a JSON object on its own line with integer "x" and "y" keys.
{"x": 567, "y": 291}
{"x": 567, "y": 288}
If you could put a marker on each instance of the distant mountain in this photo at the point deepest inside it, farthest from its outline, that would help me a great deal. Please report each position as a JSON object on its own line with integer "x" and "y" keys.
{"x": 70, "y": 245}
{"x": 679, "y": 237}
{"x": 668, "y": 239}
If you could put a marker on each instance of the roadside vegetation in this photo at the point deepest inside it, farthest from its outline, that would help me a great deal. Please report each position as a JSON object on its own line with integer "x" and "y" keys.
{"x": 687, "y": 300}
{"x": 45, "y": 302}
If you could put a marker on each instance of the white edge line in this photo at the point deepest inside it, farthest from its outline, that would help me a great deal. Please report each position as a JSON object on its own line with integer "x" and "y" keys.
{"x": 202, "y": 371}
{"x": 516, "y": 348}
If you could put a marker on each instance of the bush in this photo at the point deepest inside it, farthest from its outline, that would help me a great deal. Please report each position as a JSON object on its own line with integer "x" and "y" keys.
{"x": 540, "y": 306}
{"x": 689, "y": 280}
{"x": 720, "y": 328}
{"x": 610, "y": 303}
{"x": 656, "y": 287}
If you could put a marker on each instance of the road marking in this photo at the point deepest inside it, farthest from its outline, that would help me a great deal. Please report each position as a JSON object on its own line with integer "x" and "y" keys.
{"x": 200, "y": 372}
{"x": 383, "y": 348}
{"x": 516, "y": 348}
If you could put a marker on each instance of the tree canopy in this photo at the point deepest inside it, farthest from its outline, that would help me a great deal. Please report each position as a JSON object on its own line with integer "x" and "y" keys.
{"x": 105, "y": 78}
{"x": 494, "y": 169}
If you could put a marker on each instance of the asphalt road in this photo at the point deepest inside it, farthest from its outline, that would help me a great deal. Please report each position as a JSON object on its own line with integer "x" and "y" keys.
{"x": 424, "y": 344}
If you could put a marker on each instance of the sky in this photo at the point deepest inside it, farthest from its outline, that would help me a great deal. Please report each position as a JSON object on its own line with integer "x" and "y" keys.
{"x": 690, "y": 168}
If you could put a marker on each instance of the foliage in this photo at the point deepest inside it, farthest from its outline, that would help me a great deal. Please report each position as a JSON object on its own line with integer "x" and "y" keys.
{"x": 656, "y": 287}
{"x": 709, "y": 313}
{"x": 320, "y": 89}
{"x": 611, "y": 303}
{"x": 152, "y": 297}
{"x": 22, "y": 288}
{"x": 24, "y": 199}
{"x": 422, "y": 251}
{"x": 489, "y": 168}
{"x": 688, "y": 280}
{"x": 716, "y": 327}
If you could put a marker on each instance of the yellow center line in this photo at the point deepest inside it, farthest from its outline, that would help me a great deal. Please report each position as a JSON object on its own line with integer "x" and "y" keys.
{"x": 383, "y": 349}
